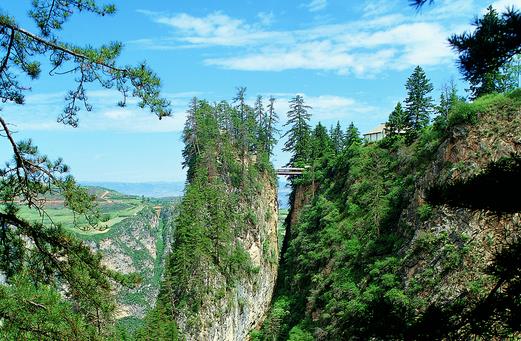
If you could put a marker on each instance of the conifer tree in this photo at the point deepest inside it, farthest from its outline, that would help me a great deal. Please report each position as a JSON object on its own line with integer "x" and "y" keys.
{"x": 448, "y": 98}
{"x": 261, "y": 124}
{"x": 271, "y": 128}
{"x": 337, "y": 137}
{"x": 298, "y": 142}
{"x": 494, "y": 42}
{"x": 322, "y": 144}
{"x": 246, "y": 125}
{"x": 488, "y": 49}
{"x": 418, "y": 104}
{"x": 191, "y": 149}
{"x": 397, "y": 121}
{"x": 352, "y": 136}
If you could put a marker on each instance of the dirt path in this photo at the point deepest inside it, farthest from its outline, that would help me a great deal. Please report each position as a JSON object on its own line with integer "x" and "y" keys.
{"x": 102, "y": 197}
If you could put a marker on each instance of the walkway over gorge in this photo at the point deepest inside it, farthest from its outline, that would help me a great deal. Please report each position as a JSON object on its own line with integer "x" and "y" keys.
{"x": 290, "y": 171}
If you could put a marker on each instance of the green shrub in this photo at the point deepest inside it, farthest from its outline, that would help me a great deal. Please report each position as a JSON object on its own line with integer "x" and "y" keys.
{"x": 297, "y": 334}
{"x": 425, "y": 212}
{"x": 463, "y": 113}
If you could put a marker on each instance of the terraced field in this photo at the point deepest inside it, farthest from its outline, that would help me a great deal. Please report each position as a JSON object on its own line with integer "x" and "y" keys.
{"x": 113, "y": 206}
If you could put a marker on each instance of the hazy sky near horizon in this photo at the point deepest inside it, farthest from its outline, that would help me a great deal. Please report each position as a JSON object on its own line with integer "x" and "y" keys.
{"x": 349, "y": 59}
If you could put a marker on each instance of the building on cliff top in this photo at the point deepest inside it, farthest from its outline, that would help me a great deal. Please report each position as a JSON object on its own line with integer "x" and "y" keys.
{"x": 375, "y": 134}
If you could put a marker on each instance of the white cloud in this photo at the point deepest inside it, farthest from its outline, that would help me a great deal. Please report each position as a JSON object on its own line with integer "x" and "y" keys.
{"x": 378, "y": 7}
{"x": 266, "y": 18}
{"x": 385, "y": 40}
{"x": 316, "y": 5}
{"x": 213, "y": 29}
{"x": 118, "y": 114}
{"x": 446, "y": 9}
{"x": 362, "y": 53}
{"x": 326, "y": 108}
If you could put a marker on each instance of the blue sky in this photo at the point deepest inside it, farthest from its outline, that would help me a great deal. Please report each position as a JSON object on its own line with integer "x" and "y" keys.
{"x": 350, "y": 60}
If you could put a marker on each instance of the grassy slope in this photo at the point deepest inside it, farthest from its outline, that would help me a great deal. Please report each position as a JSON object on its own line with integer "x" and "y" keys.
{"x": 114, "y": 208}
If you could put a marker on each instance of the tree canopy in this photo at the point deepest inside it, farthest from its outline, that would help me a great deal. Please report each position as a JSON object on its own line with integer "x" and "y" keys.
{"x": 484, "y": 52}
{"x": 397, "y": 121}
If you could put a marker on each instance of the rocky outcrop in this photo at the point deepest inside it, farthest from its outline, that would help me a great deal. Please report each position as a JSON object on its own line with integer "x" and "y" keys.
{"x": 302, "y": 195}
{"x": 138, "y": 244}
{"x": 452, "y": 247}
{"x": 231, "y": 314}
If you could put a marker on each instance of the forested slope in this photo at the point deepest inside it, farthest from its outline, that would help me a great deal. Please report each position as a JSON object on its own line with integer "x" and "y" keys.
{"x": 413, "y": 237}
{"x": 133, "y": 235}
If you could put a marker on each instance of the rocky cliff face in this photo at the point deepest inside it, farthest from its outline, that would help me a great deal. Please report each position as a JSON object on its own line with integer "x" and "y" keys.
{"x": 238, "y": 310}
{"x": 302, "y": 195}
{"x": 453, "y": 246}
{"x": 138, "y": 244}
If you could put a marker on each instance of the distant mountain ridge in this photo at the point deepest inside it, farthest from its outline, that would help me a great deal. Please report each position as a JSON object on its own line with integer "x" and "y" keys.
{"x": 171, "y": 189}
{"x": 147, "y": 189}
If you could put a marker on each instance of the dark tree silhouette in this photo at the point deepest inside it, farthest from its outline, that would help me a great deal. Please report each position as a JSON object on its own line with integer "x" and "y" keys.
{"x": 495, "y": 41}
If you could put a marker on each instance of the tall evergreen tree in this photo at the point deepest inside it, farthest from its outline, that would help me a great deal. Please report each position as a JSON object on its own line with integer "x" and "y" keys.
{"x": 191, "y": 149}
{"x": 322, "y": 144}
{"x": 397, "y": 121}
{"x": 352, "y": 136}
{"x": 245, "y": 125}
{"x": 261, "y": 124}
{"x": 418, "y": 104}
{"x": 298, "y": 142}
{"x": 337, "y": 137}
{"x": 271, "y": 127}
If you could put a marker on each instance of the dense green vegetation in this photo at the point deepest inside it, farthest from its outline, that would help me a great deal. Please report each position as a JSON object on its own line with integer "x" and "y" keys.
{"x": 343, "y": 272}
{"x": 342, "y": 276}
{"x": 227, "y": 149}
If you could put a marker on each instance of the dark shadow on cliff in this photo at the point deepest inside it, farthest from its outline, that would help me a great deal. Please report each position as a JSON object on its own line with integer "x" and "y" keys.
{"x": 497, "y": 188}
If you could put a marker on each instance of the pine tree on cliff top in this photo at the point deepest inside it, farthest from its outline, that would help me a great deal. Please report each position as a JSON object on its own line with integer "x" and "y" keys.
{"x": 337, "y": 137}
{"x": 418, "y": 104}
{"x": 298, "y": 142}
{"x": 271, "y": 128}
{"x": 352, "y": 136}
{"x": 397, "y": 121}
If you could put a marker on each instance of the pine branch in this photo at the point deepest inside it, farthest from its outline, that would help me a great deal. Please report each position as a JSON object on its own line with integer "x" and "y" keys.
{"x": 57, "y": 47}
{"x": 8, "y": 53}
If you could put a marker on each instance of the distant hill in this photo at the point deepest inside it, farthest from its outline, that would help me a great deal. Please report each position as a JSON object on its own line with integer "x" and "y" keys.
{"x": 171, "y": 189}
{"x": 147, "y": 189}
